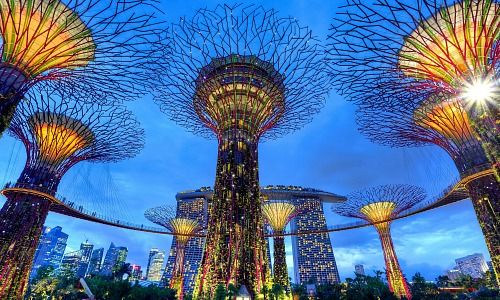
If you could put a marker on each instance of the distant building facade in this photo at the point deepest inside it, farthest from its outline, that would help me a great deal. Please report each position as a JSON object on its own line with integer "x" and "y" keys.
{"x": 473, "y": 265}
{"x": 50, "y": 249}
{"x": 114, "y": 259}
{"x": 155, "y": 265}
{"x": 453, "y": 274}
{"x": 359, "y": 270}
{"x": 86, "y": 251}
{"x": 192, "y": 205}
{"x": 95, "y": 262}
{"x": 135, "y": 273}
{"x": 316, "y": 248}
{"x": 70, "y": 263}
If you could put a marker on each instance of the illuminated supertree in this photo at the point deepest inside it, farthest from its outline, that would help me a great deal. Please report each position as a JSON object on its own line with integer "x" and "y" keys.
{"x": 86, "y": 46}
{"x": 183, "y": 229}
{"x": 427, "y": 72}
{"x": 240, "y": 73}
{"x": 379, "y": 206}
{"x": 57, "y": 134}
{"x": 278, "y": 215}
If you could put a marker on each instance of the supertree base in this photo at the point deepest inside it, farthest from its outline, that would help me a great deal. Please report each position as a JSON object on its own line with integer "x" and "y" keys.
{"x": 485, "y": 195}
{"x": 21, "y": 223}
{"x": 280, "y": 267}
{"x": 234, "y": 250}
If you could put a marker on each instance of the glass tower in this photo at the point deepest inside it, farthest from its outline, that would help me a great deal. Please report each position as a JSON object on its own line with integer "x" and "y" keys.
{"x": 115, "y": 258}
{"x": 50, "y": 249}
{"x": 95, "y": 262}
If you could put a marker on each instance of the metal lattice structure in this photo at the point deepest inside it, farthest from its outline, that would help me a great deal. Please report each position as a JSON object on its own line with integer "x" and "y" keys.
{"x": 426, "y": 72}
{"x": 183, "y": 229}
{"x": 379, "y": 205}
{"x": 89, "y": 47}
{"x": 240, "y": 73}
{"x": 57, "y": 133}
{"x": 278, "y": 214}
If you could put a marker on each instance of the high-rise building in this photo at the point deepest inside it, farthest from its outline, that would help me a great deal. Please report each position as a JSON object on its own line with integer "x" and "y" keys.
{"x": 313, "y": 258}
{"x": 70, "y": 263}
{"x": 453, "y": 274}
{"x": 86, "y": 250}
{"x": 115, "y": 258}
{"x": 473, "y": 265}
{"x": 155, "y": 264}
{"x": 50, "y": 249}
{"x": 95, "y": 262}
{"x": 359, "y": 270}
{"x": 323, "y": 268}
{"x": 191, "y": 205}
{"x": 135, "y": 273}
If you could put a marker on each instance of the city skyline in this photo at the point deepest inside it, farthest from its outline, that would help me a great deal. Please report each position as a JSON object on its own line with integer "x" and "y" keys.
{"x": 352, "y": 164}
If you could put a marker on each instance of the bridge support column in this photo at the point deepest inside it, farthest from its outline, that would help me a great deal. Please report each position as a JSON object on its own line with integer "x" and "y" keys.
{"x": 21, "y": 223}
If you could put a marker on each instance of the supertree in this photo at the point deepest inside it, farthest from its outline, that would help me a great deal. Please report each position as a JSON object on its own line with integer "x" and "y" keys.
{"x": 240, "y": 73}
{"x": 433, "y": 65}
{"x": 87, "y": 46}
{"x": 379, "y": 206}
{"x": 57, "y": 133}
{"x": 278, "y": 214}
{"x": 183, "y": 229}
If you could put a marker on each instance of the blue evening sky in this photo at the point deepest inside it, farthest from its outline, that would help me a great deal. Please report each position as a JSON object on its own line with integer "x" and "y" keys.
{"x": 327, "y": 154}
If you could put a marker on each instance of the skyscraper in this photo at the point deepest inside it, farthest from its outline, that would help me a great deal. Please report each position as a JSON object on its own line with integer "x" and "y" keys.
{"x": 95, "y": 262}
{"x": 155, "y": 264}
{"x": 86, "y": 251}
{"x": 190, "y": 205}
{"x": 313, "y": 257}
{"x": 195, "y": 204}
{"x": 135, "y": 273}
{"x": 359, "y": 270}
{"x": 70, "y": 263}
{"x": 473, "y": 265}
{"x": 50, "y": 249}
{"x": 115, "y": 258}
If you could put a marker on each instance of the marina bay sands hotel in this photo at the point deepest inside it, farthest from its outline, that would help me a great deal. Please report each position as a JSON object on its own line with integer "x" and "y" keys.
{"x": 313, "y": 257}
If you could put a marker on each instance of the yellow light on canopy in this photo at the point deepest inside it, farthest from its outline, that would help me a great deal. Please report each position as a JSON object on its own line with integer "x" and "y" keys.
{"x": 58, "y": 137}
{"x": 446, "y": 117}
{"x": 278, "y": 214}
{"x": 40, "y": 35}
{"x": 378, "y": 211}
{"x": 454, "y": 45}
{"x": 184, "y": 227}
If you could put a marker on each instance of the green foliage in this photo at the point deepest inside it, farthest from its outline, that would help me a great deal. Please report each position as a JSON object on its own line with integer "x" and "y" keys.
{"x": 220, "y": 292}
{"x": 68, "y": 288}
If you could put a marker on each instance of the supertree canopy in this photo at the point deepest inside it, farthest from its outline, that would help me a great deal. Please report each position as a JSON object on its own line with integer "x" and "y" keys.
{"x": 278, "y": 214}
{"x": 379, "y": 206}
{"x": 423, "y": 72}
{"x": 241, "y": 73}
{"x": 88, "y": 46}
{"x": 57, "y": 133}
{"x": 183, "y": 229}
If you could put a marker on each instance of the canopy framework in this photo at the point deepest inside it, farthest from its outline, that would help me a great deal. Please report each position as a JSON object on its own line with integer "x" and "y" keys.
{"x": 57, "y": 134}
{"x": 240, "y": 74}
{"x": 381, "y": 203}
{"x": 89, "y": 47}
{"x": 426, "y": 72}
{"x": 278, "y": 214}
{"x": 183, "y": 229}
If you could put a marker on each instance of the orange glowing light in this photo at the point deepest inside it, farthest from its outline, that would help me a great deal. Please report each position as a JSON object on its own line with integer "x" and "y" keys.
{"x": 40, "y": 35}
{"x": 378, "y": 211}
{"x": 278, "y": 214}
{"x": 446, "y": 117}
{"x": 59, "y": 137}
{"x": 183, "y": 228}
{"x": 454, "y": 45}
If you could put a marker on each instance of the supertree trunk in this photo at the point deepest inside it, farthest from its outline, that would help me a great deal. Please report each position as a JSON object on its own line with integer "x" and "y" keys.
{"x": 395, "y": 278}
{"x": 22, "y": 218}
{"x": 235, "y": 246}
{"x": 485, "y": 195}
{"x": 6, "y": 113}
{"x": 280, "y": 267}
{"x": 177, "y": 281}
